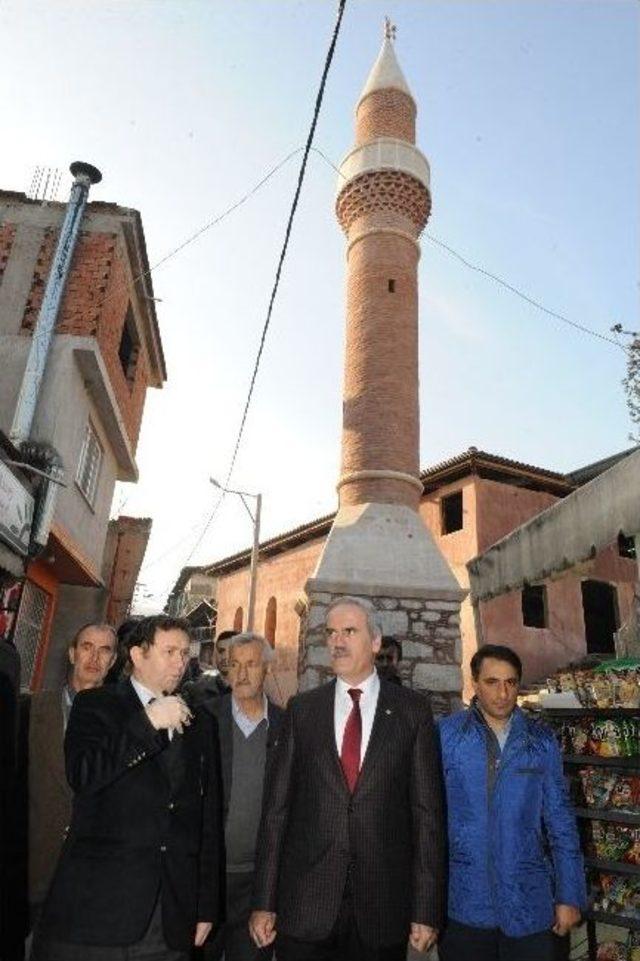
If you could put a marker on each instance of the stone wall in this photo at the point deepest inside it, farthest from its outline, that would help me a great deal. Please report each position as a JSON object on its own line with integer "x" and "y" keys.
{"x": 431, "y": 645}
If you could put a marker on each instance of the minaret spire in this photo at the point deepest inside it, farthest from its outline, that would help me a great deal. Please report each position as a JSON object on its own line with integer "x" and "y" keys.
{"x": 390, "y": 29}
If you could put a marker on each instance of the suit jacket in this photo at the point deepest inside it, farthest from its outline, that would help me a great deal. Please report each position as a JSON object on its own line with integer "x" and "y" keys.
{"x": 146, "y": 821}
{"x": 387, "y": 838}
{"x": 49, "y": 793}
{"x": 220, "y": 707}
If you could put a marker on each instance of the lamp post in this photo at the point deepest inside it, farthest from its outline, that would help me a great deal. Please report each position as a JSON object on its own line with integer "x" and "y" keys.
{"x": 255, "y": 520}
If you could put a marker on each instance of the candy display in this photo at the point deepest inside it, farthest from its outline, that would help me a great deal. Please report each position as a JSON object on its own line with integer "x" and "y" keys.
{"x": 602, "y": 737}
{"x": 602, "y": 788}
{"x": 617, "y": 894}
{"x": 612, "y": 684}
{"x": 615, "y": 842}
{"x": 627, "y": 950}
{"x": 612, "y": 951}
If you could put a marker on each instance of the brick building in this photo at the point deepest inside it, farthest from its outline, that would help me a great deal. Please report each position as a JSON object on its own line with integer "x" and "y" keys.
{"x": 105, "y": 353}
{"x": 468, "y": 503}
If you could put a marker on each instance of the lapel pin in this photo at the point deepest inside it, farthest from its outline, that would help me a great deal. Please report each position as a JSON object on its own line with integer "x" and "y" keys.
{"x": 388, "y": 711}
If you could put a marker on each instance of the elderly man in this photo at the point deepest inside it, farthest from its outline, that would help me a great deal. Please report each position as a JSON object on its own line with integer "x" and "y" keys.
{"x": 91, "y": 654}
{"x": 138, "y": 876}
{"x": 350, "y": 859}
{"x": 516, "y": 878}
{"x": 248, "y": 724}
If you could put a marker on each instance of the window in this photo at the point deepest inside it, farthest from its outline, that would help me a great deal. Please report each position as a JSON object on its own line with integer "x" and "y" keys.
{"x": 534, "y": 605}
{"x": 601, "y": 616}
{"x": 89, "y": 465}
{"x": 129, "y": 348}
{"x": 391, "y": 286}
{"x": 237, "y": 620}
{"x": 626, "y": 546}
{"x": 270, "y": 621}
{"x": 30, "y": 629}
{"x": 452, "y": 517}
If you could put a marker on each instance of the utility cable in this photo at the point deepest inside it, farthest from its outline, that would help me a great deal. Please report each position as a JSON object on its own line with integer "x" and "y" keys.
{"x": 281, "y": 260}
{"x": 498, "y": 280}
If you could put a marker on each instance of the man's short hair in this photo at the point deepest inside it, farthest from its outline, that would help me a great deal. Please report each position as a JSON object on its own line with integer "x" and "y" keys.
{"x": 374, "y": 623}
{"x": 143, "y": 634}
{"x": 96, "y": 626}
{"x": 225, "y": 635}
{"x": 498, "y": 652}
{"x": 249, "y": 637}
{"x": 389, "y": 641}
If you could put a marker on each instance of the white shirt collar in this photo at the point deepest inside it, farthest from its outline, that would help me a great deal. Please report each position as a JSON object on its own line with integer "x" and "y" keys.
{"x": 369, "y": 687}
{"x": 143, "y": 692}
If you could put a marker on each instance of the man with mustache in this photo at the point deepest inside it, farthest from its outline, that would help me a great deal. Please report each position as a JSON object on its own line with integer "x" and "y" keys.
{"x": 138, "y": 876}
{"x": 248, "y": 724}
{"x": 350, "y": 851}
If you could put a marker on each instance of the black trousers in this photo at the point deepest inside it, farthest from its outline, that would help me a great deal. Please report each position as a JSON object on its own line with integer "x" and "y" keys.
{"x": 460, "y": 942}
{"x": 233, "y": 939}
{"x": 152, "y": 947}
{"x": 345, "y": 943}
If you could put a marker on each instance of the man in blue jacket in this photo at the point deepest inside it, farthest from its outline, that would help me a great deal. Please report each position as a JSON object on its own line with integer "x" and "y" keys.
{"x": 516, "y": 877}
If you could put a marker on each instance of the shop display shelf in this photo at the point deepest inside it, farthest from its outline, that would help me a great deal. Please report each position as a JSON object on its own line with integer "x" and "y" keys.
{"x": 603, "y": 814}
{"x": 596, "y": 760}
{"x": 613, "y": 867}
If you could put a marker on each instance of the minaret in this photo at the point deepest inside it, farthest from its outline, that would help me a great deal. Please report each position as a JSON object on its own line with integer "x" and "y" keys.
{"x": 379, "y": 547}
{"x": 383, "y": 204}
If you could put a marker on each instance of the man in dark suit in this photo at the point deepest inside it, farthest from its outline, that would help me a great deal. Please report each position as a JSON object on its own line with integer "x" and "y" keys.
{"x": 350, "y": 859}
{"x": 139, "y": 871}
{"x": 248, "y": 725}
{"x": 91, "y": 654}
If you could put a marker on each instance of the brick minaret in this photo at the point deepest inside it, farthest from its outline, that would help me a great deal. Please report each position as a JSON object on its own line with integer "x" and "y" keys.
{"x": 379, "y": 547}
{"x": 383, "y": 204}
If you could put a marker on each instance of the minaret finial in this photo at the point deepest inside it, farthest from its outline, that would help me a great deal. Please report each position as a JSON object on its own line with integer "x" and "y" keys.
{"x": 390, "y": 29}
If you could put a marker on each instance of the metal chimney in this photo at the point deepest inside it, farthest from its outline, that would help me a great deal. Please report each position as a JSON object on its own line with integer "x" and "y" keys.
{"x": 84, "y": 175}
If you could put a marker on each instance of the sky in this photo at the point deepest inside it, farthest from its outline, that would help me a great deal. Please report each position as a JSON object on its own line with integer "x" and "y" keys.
{"x": 528, "y": 113}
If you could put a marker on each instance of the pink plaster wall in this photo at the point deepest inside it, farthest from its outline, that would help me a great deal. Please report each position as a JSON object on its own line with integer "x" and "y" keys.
{"x": 282, "y": 576}
{"x": 490, "y": 510}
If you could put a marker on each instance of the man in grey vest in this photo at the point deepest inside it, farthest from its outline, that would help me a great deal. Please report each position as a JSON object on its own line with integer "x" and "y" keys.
{"x": 248, "y": 725}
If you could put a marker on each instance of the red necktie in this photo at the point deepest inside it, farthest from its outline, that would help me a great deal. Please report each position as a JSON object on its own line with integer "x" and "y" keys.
{"x": 351, "y": 742}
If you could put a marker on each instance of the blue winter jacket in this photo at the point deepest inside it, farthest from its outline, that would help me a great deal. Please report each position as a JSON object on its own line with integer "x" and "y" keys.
{"x": 513, "y": 843}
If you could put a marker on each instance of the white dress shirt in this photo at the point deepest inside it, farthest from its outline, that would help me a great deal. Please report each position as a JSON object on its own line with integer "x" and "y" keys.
{"x": 343, "y": 704}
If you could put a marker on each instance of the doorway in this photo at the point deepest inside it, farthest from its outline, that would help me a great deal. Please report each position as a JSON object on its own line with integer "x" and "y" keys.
{"x": 599, "y": 605}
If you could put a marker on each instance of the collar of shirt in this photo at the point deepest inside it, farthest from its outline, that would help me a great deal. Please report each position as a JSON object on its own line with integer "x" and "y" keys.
{"x": 146, "y": 696}
{"x": 143, "y": 692}
{"x": 502, "y": 735}
{"x": 247, "y": 724}
{"x": 370, "y": 688}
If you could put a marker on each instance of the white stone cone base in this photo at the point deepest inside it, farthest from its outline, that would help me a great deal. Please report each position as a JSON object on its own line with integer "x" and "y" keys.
{"x": 383, "y": 549}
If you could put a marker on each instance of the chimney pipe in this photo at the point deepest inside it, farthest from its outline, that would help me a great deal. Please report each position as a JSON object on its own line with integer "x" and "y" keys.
{"x": 84, "y": 175}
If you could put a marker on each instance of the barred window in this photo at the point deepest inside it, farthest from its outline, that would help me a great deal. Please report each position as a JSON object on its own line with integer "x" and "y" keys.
{"x": 30, "y": 627}
{"x": 89, "y": 465}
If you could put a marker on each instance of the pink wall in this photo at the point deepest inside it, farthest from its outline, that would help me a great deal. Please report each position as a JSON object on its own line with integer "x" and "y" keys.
{"x": 490, "y": 510}
{"x": 282, "y": 576}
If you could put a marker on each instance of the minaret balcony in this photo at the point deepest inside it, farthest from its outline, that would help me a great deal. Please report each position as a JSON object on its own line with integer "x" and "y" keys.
{"x": 384, "y": 153}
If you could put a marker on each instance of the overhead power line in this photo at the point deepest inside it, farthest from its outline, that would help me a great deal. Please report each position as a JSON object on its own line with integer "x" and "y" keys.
{"x": 283, "y": 253}
{"x": 498, "y": 280}
{"x": 521, "y": 293}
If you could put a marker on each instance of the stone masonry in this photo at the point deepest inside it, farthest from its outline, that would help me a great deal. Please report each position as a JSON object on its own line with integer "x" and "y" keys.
{"x": 431, "y": 646}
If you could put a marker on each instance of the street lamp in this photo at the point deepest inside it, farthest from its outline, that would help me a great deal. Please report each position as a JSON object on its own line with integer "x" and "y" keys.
{"x": 255, "y": 520}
